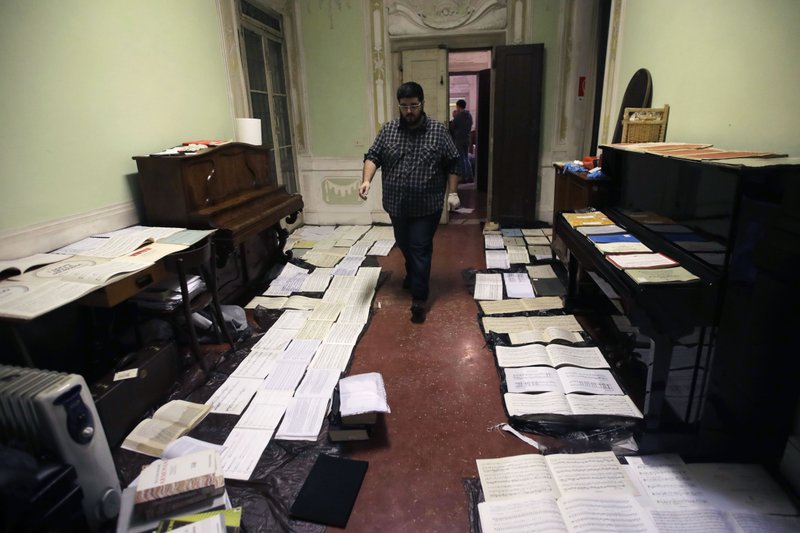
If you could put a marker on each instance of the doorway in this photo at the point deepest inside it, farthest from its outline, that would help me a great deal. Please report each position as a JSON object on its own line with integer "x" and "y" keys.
{"x": 466, "y": 68}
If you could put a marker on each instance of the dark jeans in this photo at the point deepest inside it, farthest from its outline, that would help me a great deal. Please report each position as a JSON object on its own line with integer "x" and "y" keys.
{"x": 414, "y": 236}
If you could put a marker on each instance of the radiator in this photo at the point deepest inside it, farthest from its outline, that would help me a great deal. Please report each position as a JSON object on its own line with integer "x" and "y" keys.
{"x": 44, "y": 412}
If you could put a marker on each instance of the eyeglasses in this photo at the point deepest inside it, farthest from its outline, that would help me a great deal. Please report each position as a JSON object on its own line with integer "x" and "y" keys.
{"x": 410, "y": 107}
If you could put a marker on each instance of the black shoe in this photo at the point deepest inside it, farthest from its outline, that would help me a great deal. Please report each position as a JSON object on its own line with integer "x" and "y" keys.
{"x": 418, "y": 313}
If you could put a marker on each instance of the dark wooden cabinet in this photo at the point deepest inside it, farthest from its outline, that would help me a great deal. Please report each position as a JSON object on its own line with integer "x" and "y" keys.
{"x": 229, "y": 189}
{"x": 574, "y": 190}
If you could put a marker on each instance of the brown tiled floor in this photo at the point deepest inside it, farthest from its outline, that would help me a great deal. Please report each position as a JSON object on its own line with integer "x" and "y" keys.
{"x": 443, "y": 390}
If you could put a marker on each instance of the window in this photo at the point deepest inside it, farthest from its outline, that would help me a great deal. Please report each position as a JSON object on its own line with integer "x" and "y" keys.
{"x": 263, "y": 55}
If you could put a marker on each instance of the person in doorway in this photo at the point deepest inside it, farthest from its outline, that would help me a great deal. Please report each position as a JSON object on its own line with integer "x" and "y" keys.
{"x": 461, "y": 129}
{"x": 419, "y": 164}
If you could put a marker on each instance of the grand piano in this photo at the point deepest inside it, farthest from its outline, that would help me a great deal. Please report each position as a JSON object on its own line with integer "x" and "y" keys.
{"x": 713, "y": 362}
{"x": 227, "y": 188}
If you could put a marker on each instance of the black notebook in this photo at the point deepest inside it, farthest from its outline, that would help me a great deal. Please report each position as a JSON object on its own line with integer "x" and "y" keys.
{"x": 330, "y": 490}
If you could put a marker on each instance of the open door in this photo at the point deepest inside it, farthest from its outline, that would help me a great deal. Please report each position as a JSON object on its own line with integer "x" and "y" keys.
{"x": 516, "y": 130}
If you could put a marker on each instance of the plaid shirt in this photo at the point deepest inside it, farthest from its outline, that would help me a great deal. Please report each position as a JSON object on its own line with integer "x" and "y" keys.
{"x": 415, "y": 166}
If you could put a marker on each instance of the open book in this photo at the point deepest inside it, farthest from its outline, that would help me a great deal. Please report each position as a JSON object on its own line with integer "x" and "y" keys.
{"x": 564, "y": 380}
{"x": 555, "y": 403}
{"x": 545, "y": 335}
{"x": 170, "y": 421}
{"x": 550, "y": 355}
{"x": 35, "y": 293}
{"x": 553, "y": 475}
{"x": 733, "y": 498}
{"x": 23, "y": 264}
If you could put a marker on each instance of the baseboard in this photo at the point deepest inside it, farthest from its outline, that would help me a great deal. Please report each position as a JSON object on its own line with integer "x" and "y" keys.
{"x": 47, "y": 236}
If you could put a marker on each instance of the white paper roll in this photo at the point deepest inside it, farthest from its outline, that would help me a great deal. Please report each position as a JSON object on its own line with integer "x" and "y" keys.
{"x": 248, "y": 130}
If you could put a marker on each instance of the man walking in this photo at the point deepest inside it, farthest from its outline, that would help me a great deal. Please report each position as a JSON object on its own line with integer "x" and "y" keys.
{"x": 419, "y": 162}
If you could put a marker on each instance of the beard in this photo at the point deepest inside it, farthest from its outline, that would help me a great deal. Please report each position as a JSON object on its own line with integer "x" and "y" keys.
{"x": 412, "y": 121}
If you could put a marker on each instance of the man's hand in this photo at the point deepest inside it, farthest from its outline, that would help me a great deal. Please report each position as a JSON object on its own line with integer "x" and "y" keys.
{"x": 452, "y": 201}
{"x": 363, "y": 189}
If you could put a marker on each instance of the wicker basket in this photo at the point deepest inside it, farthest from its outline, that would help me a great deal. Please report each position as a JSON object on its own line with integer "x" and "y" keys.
{"x": 644, "y": 124}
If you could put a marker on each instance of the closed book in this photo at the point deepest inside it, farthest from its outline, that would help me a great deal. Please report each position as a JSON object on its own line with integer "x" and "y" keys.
{"x": 172, "y": 505}
{"x": 172, "y": 484}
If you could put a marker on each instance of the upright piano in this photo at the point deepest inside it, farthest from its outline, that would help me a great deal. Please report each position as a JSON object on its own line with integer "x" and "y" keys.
{"x": 227, "y": 188}
{"x": 714, "y": 362}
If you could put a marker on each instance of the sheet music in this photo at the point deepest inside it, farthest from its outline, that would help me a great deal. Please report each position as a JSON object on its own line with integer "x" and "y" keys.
{"x": 327, "y": 311}
{"x": 285, "y": 376}
{"x": 355, "y": 314}
{"x": 586, "y": 514}
{"x": 497, "y": 259}
{"x": 518, "y": 404}
{"x": 694, "y": 521}
{"x": 326, "y": 258}
{"x": 242, "y": 450}
{"x": 488, "y": 287}
{"x": 513, "y": 241}
{"x": 301, "y": 302}
{"x": 342, "y": 333}
{"x": 600, "y": 404}
{"x": 265, "y": 410}
{"x": 275, "y": 339}
{"x": 511, "y": 232}
{"x": 527, "y": 514}
{"x": 533, "y": 379}
{"x": 594, "y": 381}
{"x": 257, "y": 364}
{"x": 119, "y": 245}
{"x": 318, "y": 382}
{"x": 81, "y": 247}
{"x": 332, "y": 356}
{"x": 382, "y": 247}
{"x": 506, "y": 324}
{"x": 348, "y": 266}
{"x": 359, "y": 249}
{"x": 315, "y": 329}
{"x": 600, "y": 230}
{"x": 317, "y": 281}
{"x": 493, "y": 242}
{"x": 527, "y": 355}
{"x": 740, "y": 487}
{"x": 267, "y": 302}
{"x": 292, "y": 319}
{"x": 537, "y": 240}
{"x": 233, "y": 395}
{"x": 544, "y": 335}
{"x": 588, "y": 357}
{"x": 518, "y": 254}
{"x": 622, "y": 247}
{"x": 597, "y": 473}
{"x": 515, "y": 476}
{"x": 303, "y": 418}
{"x": 300, "y": 351}
{"x": 759, "y": 523}
{"x": 521, "y": 305}
{"x": 518, "y": 285}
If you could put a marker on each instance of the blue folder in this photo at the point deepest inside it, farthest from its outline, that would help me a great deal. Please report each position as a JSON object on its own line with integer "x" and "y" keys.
{"x": 615, "y": 237}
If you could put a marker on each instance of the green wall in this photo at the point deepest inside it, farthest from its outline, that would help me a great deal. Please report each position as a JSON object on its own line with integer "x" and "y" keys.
{"x": 87, "y": 84}
{"x": 546, "y": 15}
{"x": 727, "y": 68}
{"x": 332, "y": 37}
